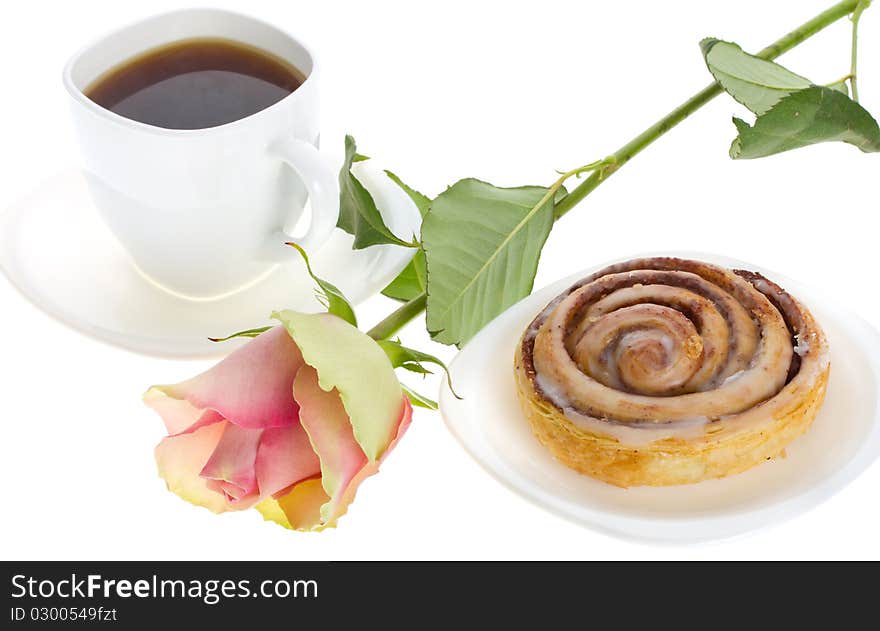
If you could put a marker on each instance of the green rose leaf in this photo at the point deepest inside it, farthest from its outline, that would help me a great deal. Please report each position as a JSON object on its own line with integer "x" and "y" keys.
{"x": 756, "y": 83}
{"x": 419, "y": 400}
{"x": 816, "y": 114}
{"x": 412, "y": 281}
{"x": 482, "y": 245}
{"x": 358, "y": 214}
{"x": 413, "y": 360}
{"x": 421, "y": 201}
{"x": 330, "y": 296}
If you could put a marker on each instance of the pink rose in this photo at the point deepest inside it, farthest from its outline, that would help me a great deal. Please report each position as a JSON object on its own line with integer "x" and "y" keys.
{"x": 290, "y": 423}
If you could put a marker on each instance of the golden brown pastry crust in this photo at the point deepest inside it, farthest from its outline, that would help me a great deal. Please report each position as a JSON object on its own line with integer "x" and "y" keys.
{"x": 600, "y": 378}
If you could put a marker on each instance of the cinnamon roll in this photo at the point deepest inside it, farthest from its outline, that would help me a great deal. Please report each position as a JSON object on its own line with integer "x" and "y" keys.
{"x": 667, "y": 371}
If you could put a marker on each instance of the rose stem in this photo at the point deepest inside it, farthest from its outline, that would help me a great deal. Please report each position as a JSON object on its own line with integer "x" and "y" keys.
{"x": 634, "y": 146}
{"x": 857, "y": 13}
{"x": 399, "y": 318}
{"x": 406, "y": 312}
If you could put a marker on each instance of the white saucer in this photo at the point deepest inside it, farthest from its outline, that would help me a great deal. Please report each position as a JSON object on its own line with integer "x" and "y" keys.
{"x": 843, "y": 442}
{"x": 56, "y": 251}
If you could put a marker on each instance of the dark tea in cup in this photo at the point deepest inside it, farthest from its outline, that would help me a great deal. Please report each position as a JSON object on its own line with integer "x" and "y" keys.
{"x": 195, "y": 84}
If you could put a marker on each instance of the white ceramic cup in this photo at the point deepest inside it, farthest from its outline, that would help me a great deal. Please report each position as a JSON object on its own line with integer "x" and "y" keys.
{"x": 206, "y": 212}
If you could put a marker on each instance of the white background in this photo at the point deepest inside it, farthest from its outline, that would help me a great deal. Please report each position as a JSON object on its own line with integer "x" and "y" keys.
{"x": 504, "y": 91}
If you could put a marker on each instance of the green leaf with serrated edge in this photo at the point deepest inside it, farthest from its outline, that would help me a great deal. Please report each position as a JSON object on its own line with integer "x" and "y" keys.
{"x": 422, "y": 202}
{"x": 248, "y": 333}
{"x": 358, "y": 214}
{"x": 412, "y": 281}
{"x": 482, "y": 245}
{"x": 817, "y": 114}
{"x": 416, "y": 368}
{"x": 412, "y": 360}
{"x": 334, "y": 300}
{"x": 419, "y": 400}
{"x": 756, "y": 83}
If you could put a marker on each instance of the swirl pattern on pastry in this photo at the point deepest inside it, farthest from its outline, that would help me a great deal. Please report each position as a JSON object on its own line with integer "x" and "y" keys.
{"x": 668, "y": 371}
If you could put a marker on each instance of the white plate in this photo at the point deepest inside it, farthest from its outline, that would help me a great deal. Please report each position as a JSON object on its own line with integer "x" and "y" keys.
{"x": 56, "y": 251}
{"x": 843, "y": 442}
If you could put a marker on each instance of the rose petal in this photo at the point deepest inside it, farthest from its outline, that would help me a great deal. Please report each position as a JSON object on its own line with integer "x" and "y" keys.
{"x": 181, "y": 458}
{"x": 351, "y": 362}
{"x": 250, "y": 387}
{"x": 300, "y": 509}
{"x": 302, "y": 506}
{"x": 179, "y": 416}
{"x": 230, "y": 469}
{"x": 373, "y": 467}
{"x": 271, "y": 510}
{"x": 284, "y": 458}
{"x": 325, "y": 420}
{"x": 343, "y": 463}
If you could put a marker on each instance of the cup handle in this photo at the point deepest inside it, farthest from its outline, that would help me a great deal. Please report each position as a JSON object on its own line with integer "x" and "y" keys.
{"x": 322, "y": 187}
